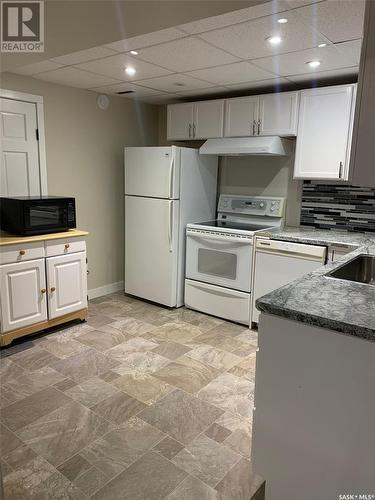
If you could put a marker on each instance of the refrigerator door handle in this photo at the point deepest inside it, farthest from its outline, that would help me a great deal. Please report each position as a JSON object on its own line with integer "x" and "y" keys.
{"x": 171, "y": 177}
{"x": 170, "y": 226}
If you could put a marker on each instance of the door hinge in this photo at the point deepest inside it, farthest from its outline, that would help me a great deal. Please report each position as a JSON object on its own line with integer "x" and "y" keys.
{"x": 37, "y": 134}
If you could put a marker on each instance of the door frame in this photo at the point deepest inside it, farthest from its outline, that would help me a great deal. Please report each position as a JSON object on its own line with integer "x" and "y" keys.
{"x": 38, "y": 101}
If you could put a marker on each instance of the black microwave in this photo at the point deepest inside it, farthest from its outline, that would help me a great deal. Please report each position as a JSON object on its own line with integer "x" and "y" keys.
{"x": 30, "y": 215}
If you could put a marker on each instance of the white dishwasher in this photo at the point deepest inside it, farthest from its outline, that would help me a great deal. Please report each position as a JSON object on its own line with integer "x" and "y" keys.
{"x": 278, "y": 263}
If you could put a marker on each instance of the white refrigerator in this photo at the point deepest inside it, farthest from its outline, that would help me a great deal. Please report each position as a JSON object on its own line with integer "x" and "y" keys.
{"x": 165, "y": 188}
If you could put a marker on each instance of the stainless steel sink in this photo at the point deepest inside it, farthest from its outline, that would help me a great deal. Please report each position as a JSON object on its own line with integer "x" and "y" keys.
{"x": 361, "y": 269}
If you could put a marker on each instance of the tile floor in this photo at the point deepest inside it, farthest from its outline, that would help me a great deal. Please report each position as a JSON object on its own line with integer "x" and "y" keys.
{"x": 139, "y": 403}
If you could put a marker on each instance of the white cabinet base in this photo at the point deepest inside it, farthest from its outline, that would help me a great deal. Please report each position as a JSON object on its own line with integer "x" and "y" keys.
{"x": 8, "y": 337}
{"x": 218, "y": 301}
{"x": 313, "y": 430}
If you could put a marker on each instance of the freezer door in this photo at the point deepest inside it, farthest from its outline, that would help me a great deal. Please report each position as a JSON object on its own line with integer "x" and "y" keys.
{"x": 152, "y": 172}
{"x": 151, "y": 249}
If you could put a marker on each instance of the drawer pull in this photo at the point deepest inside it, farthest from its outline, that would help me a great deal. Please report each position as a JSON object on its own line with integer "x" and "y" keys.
{"x": 43, "y": 290}
{"x": 66, "y": 246}
{"x": 53, "y": 288}
{"x": 22, "y": 252}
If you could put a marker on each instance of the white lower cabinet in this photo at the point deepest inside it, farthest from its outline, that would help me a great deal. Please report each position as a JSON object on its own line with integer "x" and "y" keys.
{"x": 35, "y": 291}
{"x": 67, "y": 289}
{"x": 23, "y": 294}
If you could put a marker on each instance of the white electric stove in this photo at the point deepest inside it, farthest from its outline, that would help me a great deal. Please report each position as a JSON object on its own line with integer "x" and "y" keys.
{"x": 219, "y": 255}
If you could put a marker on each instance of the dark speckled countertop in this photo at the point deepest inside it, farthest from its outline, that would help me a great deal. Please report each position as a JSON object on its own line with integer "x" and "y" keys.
{"x": 340, "y": 305}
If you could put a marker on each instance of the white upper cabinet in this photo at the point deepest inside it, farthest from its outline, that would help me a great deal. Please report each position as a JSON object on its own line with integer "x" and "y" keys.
{"x": 208, "y": 119}
{"x": 324, "y": 133}
{"x": 278, "y": 114}
{"x": 241, "y": 115}
{"x": 180, "y": 119}
{"x": 195, "y": 120}
{"x": 23, "y": 294}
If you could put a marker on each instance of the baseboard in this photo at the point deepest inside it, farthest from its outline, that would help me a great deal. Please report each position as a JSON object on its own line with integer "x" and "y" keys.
{"x": 106, "y": 290}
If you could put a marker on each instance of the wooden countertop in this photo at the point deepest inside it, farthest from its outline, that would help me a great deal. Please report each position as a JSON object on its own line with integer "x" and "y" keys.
{"x": 12, "y": 239}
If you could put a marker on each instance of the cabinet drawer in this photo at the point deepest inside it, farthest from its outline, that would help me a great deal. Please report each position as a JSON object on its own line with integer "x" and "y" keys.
{"x": 20, "y": 253}
{"x": 64, "y": 246}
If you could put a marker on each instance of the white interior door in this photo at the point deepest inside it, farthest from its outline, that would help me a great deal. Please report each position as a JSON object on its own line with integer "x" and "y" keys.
{"x": 19, "y": 169}
{"x": 151, "y": 249}
{"x": 67, "y": 286}
{"x": 152, "y": 172}
{"x": 23, "y": 294}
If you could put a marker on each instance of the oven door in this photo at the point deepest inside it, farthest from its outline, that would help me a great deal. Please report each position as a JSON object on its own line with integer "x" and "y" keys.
{"x": 45, "y": 216}
{"x": 219, "y": 260}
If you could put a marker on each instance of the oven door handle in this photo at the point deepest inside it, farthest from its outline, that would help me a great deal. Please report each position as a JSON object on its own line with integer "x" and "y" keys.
{"x": 219, "y": 239}
{"x": 220, "y": 293}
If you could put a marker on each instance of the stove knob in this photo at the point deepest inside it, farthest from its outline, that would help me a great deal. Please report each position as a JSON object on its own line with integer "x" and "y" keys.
{"x": 261, "y": 204}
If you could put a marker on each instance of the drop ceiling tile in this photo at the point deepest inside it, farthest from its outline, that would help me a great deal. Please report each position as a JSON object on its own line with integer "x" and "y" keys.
{"x": 294, "y": 63}
{"x": 83, "y": 56}
{"x": 294, "y": 4}
{"x": 186, "y": 54}
{"x": 124, "y": 87}
{"x": 38, "y": 67}
{"x": 248, "y": 40}
{"x": 75, "y": 78}
{"x": 336, "y": 19}
{"x": 272, "y": 82}
{"x": 351, "y": 49}
{"x": 237, "y": 16}
{"x": 201, "y": 92}
{"x": 114, "y": 67}
{"x": 232, "y": 73}
{"x": 175, "y": 83}
{"x": 138, "y": 42}
{"x": 321, "y": 75}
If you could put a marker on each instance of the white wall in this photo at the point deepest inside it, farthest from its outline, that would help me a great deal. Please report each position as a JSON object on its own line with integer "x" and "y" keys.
{"x": 84, "y": 148}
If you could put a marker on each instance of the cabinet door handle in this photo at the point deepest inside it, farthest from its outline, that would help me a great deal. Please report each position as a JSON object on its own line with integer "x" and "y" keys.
{"x": 340, "y": 169}
{"x": 22, "y": 252}
{"x": 189, "y": 130}
{"x": 43, "y": 290}
{"x": 254, "y": 124}
{"x": 259, "y": 122}
{"x": 53, "y": 289}
{"x": 193, "y": 129}
{"x": 66, "y": 246}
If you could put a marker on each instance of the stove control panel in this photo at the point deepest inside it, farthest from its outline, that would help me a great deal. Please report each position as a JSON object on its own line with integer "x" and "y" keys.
{"x": 252, "y": 205}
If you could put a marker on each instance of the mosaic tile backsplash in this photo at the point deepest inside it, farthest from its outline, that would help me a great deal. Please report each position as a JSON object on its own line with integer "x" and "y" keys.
{"x": 338, "y": 207}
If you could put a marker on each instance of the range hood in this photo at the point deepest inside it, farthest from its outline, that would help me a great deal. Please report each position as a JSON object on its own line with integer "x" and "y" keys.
{"x": 246, "y": 146}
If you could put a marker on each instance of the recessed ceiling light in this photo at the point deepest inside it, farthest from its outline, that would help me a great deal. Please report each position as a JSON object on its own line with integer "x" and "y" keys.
{"x": 322, "y": 45}
{"x": 283, "y": 20}
{"x": 129, "y": 70}
{"x": 313, "y": 64}
{"x": 274, "y": 40}
{"x": 134, "y": 52}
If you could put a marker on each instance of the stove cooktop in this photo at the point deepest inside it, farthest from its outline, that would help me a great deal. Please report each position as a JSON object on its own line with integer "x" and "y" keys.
{"x": 243, "y": 226}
